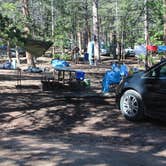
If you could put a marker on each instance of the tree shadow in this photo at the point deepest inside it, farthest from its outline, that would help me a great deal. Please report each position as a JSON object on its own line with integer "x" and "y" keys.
{"x": 63, "y": 128}
{"x": 76, "y": 149}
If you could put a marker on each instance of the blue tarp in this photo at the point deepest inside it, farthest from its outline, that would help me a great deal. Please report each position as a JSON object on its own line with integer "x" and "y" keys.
{"x": 6, "y": 65}
{"x": 3, "y": 47}
{"x": 161, "y": 48}
{"x": 123, "y": 70}
{"x": 31, "y": 69}
{"x": 113, "y": 76}
{"x": 59, "y": 63}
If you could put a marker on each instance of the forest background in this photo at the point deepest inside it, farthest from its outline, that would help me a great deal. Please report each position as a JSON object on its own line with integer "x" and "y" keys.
{"x": 67, "y": 23}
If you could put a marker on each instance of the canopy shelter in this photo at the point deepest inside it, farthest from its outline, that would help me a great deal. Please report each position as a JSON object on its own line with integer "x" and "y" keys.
{"x": 151, "y": 48}
{"x": 140, "y": 50}
{"x": 161, "y": 49}
{"x": 36, "y": 47}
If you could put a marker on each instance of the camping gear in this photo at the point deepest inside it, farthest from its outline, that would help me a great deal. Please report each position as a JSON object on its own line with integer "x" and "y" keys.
{"x": 80, "y": 75}
{"x": 59, "y": 63}
{"x": 113, "y": 76}
{"x": 87, "y": 82}
{"x": 31, "y": 69}
{"x": 7, "y": 65}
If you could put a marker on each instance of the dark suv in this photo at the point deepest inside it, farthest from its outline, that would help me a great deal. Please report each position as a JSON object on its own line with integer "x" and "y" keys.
{"x": 144, "y": 93}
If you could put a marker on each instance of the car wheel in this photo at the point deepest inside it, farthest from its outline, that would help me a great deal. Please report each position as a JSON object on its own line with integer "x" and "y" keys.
{"x": 131, "y": 105}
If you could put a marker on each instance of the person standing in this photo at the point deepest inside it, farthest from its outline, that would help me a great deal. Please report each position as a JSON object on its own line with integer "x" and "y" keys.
{"x": 76, "y": 54}
{"x": 91, "y": 52}
{"x": 86, "y": 56}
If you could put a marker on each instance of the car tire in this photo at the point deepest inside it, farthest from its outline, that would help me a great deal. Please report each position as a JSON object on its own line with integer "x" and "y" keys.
{"x": 131, "y": 105}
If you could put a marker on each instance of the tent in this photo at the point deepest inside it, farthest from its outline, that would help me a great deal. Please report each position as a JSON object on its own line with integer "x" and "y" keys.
{"x": 140, "y": 50}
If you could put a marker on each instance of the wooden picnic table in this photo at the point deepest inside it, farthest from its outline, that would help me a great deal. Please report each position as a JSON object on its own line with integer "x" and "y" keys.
{"x": 64, "y": 73}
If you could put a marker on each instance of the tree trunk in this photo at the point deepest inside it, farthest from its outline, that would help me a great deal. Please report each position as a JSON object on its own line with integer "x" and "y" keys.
{"x": 146, "y": 32}
{"x": 25, "y": 10}
{"x": 117, "y": 36}
{"x": 52, "y": 18}
{"x": 86, "y": 37}
{"x": 114, "y": 45}
{"x": 96, "y": 30}
{"x": 30, "y": 60}
{"x": 79, "y": 36}
{"x": 17, "y": 55}
{"x": 8, "y": 51}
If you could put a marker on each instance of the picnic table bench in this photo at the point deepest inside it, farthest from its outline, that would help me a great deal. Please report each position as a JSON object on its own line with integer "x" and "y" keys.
{"x": 17, "y": 72}
{"x": 62, "y": 75}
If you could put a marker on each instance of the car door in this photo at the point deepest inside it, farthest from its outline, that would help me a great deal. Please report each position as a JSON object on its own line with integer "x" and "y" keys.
{"x": 162, "y": 87}
{"x": 155, "y": 87}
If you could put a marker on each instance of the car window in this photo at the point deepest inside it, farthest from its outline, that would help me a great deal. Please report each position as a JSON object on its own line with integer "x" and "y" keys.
{"x": 159, "y": 72}
{"x": 162, "y": 72}
{"x": 151, "y": 73}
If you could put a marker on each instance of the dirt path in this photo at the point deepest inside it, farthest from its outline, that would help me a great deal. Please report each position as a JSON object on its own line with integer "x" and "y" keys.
{"x": 62, "y": 129}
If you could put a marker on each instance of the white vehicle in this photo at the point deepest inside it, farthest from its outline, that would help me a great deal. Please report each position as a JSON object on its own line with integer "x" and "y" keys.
{"x": 129, "y": 52}
{"x": 104, "y": 50}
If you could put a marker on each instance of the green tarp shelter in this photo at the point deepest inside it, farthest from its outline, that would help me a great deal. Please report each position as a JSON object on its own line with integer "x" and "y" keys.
{"x": 36, "y": 47}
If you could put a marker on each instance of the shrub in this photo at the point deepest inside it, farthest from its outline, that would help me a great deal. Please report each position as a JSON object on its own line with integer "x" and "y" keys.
{"x": 65, "y": 57}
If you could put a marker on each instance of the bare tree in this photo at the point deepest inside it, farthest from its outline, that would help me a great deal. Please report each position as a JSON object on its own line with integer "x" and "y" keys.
{"x": 146, "y": 31}
{"x": 25, "y": 10}
{"x": 87, "y": 32}
{"x": 96, "y": 29}
{"x": 8, "y": 51}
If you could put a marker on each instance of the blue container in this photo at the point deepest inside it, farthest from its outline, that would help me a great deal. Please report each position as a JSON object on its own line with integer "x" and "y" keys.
{"x": 80, "y": 75}
{"x": 86, "y": 57}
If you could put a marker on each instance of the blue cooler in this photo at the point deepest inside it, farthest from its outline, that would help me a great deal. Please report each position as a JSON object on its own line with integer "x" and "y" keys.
{"x": 80, "y": 75}
{"x": 86, "y": 57}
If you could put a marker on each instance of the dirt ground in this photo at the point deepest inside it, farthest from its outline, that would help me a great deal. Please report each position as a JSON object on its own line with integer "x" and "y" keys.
{"x": 72, "y": 127}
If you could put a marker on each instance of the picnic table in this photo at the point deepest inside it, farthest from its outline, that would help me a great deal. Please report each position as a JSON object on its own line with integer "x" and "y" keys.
{"x": 61, "y": 75}
{"x": 64, "y": 73}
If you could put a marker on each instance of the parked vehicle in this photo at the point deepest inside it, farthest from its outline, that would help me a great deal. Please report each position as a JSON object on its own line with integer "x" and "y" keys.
{"x": 21, "y": 51}
{"x": 104, "y": 50}
{"x": 144, "y": 94}
{"x": 129, "y": 52}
